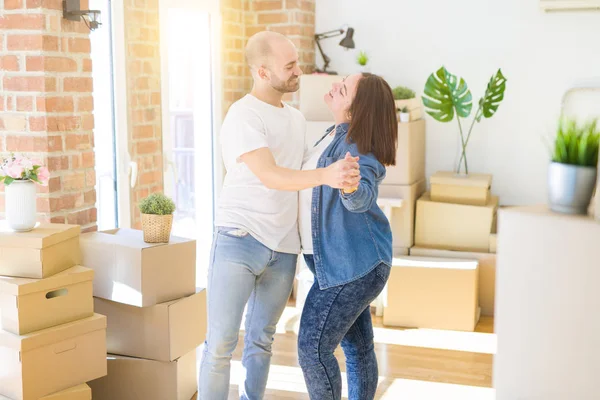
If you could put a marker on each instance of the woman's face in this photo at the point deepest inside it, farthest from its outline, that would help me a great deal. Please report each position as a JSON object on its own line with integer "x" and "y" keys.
{"x": 340, "y": 98}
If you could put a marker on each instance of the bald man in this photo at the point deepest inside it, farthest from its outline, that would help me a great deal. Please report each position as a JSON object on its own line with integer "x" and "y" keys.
{"x": 256, "y": 242}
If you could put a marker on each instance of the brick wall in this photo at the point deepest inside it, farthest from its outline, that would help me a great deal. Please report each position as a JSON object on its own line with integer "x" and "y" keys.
{"x": 243, "y": 18}
{"x": 144, "y": 99}
{"x": 46, "y": 104}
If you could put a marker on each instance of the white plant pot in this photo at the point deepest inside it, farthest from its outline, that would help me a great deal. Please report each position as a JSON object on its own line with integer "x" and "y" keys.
{"x": 20, "y": 197}
{"x": 404, "y": 117}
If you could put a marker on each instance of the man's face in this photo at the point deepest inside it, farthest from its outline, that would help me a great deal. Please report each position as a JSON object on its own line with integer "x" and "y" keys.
{"x": 284, "y": 70}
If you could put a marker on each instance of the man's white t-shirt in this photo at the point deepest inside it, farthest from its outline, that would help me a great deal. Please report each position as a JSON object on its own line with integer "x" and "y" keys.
{"x": 270, "y": 216}
{"x": 311, "y": 159}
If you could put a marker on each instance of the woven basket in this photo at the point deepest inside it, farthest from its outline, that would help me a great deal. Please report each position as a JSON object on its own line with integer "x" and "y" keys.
{"x": 157, "y": 228}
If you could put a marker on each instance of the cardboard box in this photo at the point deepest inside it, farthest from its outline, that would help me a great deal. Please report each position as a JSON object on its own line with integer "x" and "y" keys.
{"x": 311, "y": 96}
{"x": 493, "y": 242}
{"x": 131, "y": 271}
{"x": 487, "y": 272}
{"x": 454, "y": 226}
{"x": 410, "y": 155}
{"x": 436, "y": 293}
{"x": 45, "y": 251}
{"x": 402, "y": 219}
{"x": 137, "y": 378}
{"x": 53, "y": 359}
{"x": 163, "y": 332}
{"x": 80, "y": 392}
{"x": 546, "y": 305}
{"x": 472, "y": 189}
{"x": 28, "y": 305}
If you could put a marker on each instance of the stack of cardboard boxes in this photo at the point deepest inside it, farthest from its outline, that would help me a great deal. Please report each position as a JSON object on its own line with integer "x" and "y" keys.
{"x": 405, "y": 181}
{"x": 451, "y": 268}
{"x": 51, "y": 342}
{"x": 156, "y": 317}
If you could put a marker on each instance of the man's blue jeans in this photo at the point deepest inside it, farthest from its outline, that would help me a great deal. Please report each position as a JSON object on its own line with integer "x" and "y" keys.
{"x": 243, "y": 271}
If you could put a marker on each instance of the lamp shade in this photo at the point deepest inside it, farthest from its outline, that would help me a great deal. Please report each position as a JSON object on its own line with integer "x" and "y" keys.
{"x": 347, "y": 41}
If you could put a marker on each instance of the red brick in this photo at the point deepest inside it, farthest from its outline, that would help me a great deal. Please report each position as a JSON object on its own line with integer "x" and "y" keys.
{"x": 24, "y": 103}
{"x": 87, "y": 65}
{"x": 273, "y": 18}
{"x": 143, "y": 132}
{"x": 78, "y": 142}
{"x": 50, "y": 84}
{"x": 149, "y": 177}
{"x": 63, "y": 124}
{"x": 58, "y": 220}
{"x": 34, "y": 3}
{"x": 13, "y": 4}
{"x": 90, "y": 177}
{"x": 58, "y": 163}
{"x": 59, "y": 104}
{"x": 85, "y": 103}
{"x": 51, "y": 64}
{"x": 60, "y": 64}
{"x": 307, "y": 5}
{"x": 89, "y": 197}
{"x": 40, "y": 104}
{"x": 26, "y": 143}
{"x": 23, "y": 21}
{"x": 32, "y": 42}
{"x": 53, "y": 4}
{"x": 78, "y": 85}
{"x": 43, "y": 204}
{"x": 37, "y": 124}
{"x": 75, "y": 161}
{"x": 147, "y": 147}
{"x": 304, "y": 18}
{"x": 287, "y": 30}
{"x": 1, "y": 42}
{"x": 77, "y": 45}
{"x": 142, "y": 50}
{"x": 35, "y": 63}
{"x": 25, "y": 83}
{"x": 262, "y": 5}
{"x": 9, "y": 63}
{"x": 2, "y": 102}
{"x": 83, "y": 217}
{"x": 73, "y": 181}
{"x": 87, "y": 122}
{"x": 88, "y": 159}
{"x": 156, "y": 100}
{"x": 142, "y": 83}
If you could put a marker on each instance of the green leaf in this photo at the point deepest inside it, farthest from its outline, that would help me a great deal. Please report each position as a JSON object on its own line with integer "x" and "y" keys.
{"x": 447, "y": 96}
{"x": 576, "y": 145}
{"x": 494, "y": 94}
{"x": 8, "y": 180}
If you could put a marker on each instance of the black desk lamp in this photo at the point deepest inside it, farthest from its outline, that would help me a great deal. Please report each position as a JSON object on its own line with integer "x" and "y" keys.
{"x": 346, "y": 42}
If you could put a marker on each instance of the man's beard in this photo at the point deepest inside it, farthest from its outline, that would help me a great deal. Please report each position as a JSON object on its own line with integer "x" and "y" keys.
{"x": 291, "y": 85}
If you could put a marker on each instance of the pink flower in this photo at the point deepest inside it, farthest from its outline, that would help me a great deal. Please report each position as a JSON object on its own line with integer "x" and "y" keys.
{"x": 43, "y": 175}
{"x": 15, "y": 171}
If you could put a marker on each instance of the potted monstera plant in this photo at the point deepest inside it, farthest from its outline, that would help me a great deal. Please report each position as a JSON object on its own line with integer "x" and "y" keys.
{"x": 446, "y": 96}
{"x": 573, "y": 170}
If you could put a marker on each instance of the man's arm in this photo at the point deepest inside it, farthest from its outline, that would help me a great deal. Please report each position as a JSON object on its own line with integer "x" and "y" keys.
{"x": 343, "y": 173}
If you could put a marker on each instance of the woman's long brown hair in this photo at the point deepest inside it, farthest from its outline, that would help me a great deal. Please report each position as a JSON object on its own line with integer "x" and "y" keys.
{"x": 374, "y": 124}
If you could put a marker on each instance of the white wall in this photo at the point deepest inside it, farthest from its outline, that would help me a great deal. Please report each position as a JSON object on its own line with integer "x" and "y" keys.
{"x": 541, "y": 54}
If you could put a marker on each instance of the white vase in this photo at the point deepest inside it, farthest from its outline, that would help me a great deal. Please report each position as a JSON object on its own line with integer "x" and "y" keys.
{"x": 21, "y": 208}
{"x": 404, "y": 117}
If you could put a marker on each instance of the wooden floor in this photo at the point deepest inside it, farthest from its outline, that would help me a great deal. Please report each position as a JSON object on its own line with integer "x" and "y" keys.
{"x": 414, "y": 364}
